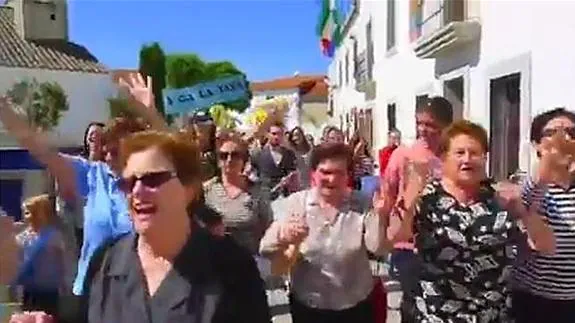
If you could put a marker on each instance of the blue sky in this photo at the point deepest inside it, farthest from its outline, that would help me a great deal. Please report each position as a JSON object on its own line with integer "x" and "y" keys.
{"x": 265, "y": 38}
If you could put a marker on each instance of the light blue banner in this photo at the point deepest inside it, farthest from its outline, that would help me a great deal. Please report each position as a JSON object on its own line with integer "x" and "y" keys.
{"x": 204, "y": 95}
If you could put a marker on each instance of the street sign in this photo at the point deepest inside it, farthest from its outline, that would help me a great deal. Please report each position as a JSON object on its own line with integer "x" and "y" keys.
{"x": 204, "y": 95}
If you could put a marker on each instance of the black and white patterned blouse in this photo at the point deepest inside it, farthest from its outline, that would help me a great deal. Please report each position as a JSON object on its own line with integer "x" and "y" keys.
{"x": 245, "y": 217}
{"x": 465, "y": 256}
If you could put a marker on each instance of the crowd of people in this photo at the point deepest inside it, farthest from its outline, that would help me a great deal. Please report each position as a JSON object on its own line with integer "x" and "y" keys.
{"x": 154, "y": 224}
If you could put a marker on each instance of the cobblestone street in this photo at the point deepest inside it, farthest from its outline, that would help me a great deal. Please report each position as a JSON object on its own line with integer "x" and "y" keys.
{"x": 278, "y": 299}
{"x": 279, "y": 305}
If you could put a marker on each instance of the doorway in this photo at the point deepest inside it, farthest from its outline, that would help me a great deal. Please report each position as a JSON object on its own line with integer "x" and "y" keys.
{"x": 504, "y": 121}
{"x": 454, "y": 92}
{"x": 10, "y": 197}
{"x": 391, "y": 117}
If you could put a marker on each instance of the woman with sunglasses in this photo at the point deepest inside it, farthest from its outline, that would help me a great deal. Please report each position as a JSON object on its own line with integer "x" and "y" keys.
{"x": 245, "y": 211}
{"x": 543, "y": 284}
{"x": 105, "y": 210}
{"x": 170, "y": 269}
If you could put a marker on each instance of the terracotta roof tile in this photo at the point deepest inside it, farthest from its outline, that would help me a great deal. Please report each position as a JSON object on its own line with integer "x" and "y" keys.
{"x": 318, "y": 92}
{"x": 286, "y": 83}
{"x": 42, "y": 54}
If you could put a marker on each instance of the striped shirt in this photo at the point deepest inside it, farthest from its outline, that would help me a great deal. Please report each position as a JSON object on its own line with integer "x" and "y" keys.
{"x": 246, "y": 217}
{"x": 551, "y": 276}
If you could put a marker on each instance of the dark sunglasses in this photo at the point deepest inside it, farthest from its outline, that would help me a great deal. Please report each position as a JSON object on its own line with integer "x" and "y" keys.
{"x": 224, "y": 155}
{"x": 552, "y": 132}
{"x": 149, "y": 180}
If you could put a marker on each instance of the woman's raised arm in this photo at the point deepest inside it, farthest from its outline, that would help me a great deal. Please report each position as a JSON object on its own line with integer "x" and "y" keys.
{"x": 58, "y": 165}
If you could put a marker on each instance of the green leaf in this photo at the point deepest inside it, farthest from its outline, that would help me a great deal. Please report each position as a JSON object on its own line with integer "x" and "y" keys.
{"x": 44, "y": 103}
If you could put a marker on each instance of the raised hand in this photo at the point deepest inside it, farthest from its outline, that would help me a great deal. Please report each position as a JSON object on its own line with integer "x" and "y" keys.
{"x": 508, "y": 195}
{"x": 294, "y": 230}
{"x": 139, "y": 89}
{"x": 557, "y": 154}
{"x": 12, "y": 120}
{"x": 416, "y": 177}
{"x": 5, "y": 101}
{"x": 382, "y": 204}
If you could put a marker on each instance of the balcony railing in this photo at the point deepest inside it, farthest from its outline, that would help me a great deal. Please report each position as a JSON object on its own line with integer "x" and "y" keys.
{"x": 360, "y": 65}
{"x": 444, "y": 26}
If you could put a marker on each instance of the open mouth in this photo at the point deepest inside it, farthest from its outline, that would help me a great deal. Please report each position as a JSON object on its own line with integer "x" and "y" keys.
{"x": 466, "y": 169}
{"x": 144, "y": 209}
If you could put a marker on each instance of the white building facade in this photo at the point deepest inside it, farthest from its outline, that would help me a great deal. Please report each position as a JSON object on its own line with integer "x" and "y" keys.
{"x": 87, "y": 93}
{"x": 306, "y": 97}
{"x": 499, "y": 62}
{"x": 34, "y": 44}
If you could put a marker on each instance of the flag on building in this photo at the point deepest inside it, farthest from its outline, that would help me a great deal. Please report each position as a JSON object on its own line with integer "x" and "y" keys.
{"x": 329, "y": 28}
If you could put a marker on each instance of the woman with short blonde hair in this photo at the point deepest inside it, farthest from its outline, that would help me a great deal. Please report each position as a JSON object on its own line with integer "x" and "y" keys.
{"x": 43, "y": 256}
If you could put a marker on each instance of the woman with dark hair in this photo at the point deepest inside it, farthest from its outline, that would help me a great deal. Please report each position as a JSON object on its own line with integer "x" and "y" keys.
{"x": 363, "y": 163}
{"x": 302, "y": 148}
{"x": 333, "y": 134}
{"x": 298, "y": 141}
{"x": 543, "y": 284}
{"x": 322, "y": 235}
{"x": 71, "y": 212}
{"x": 242, "y": 204}
{"x": 92, "y": 142}
{"x": 205, "y": 131}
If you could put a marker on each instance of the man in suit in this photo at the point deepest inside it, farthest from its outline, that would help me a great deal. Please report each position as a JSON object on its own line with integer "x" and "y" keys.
{"x": 275, "y": 164}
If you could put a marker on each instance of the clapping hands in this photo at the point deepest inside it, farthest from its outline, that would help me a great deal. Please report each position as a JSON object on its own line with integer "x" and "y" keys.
{"x": 416, "y": 177}
{"x": 294, "y": 230}
{"x": 557, "y": 154}
{"x": 508, "y": 195}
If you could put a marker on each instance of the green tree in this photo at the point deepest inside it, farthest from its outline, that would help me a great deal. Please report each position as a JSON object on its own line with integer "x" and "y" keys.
{"x": 43, "y": 103}
{"x": 185, "y": 70}
{"x": 153, "y": 64}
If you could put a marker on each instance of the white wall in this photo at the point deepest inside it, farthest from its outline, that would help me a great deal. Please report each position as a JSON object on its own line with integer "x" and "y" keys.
{"x": 533, "y": 38}
{"x": 87, "y": 97}
{"x": 345, "y": 96}
{"x": 260, "y": 96}
{"x": 544, "y": 29}
{"x": 292, "y": 115}
{"x": 400, "y": 76}
{"x": 318, "y": 111}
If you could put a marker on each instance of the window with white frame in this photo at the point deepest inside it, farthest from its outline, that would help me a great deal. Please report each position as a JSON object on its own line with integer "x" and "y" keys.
{"x": 391, "y": 32}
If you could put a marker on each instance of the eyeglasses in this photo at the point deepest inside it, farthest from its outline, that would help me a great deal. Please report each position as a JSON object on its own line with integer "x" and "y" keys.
{"x": 234, "y": 155}
{"x": 149, "y": 180}
{"x": 553, "y": 131}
